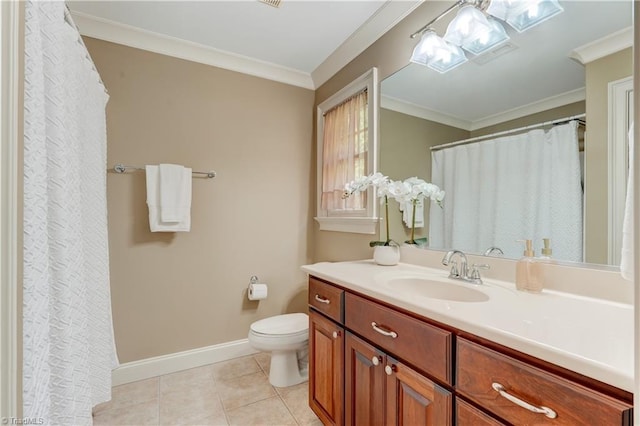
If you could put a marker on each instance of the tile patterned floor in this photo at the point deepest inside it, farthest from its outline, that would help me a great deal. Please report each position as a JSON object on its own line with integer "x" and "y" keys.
{"x": 235, "y": 392}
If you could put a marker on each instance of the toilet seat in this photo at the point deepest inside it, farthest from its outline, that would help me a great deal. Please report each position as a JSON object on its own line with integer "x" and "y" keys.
{"x": 282, "y": 325}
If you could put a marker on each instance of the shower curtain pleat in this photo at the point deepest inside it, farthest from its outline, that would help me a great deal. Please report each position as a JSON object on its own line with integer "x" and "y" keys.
{"x": 68, "y": 345}
{"x": 525, "y": 186}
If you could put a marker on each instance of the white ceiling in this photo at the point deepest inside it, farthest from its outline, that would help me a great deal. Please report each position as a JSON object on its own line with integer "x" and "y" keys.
{"x": 540, "y": 68}
{"x": 299, "y": 35}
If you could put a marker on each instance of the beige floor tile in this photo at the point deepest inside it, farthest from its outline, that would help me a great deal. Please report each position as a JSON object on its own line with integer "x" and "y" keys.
{"x": 283, "y": 391}
{"x": 191, "y": 406}
{"x": 145, "y": 413}
{"x": 187, "y": 379}
{"x": 314, "y": 422}
{"x": 235, "y": 368}
{"x": 219, "y": 420}
{"x": 264, "y": 360}
{"x": 297, "y": 400}
{"x": 131, "y": 394}
{"x": 244, "y": 390}
{"x": 270, "y": 411}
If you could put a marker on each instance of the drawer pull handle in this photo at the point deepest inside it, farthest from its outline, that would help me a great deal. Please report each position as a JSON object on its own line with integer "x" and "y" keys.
{"x": 322, "y": 299}
{"x": 390, "y": 369}
{"x": 392, "y": 334}
{"x": 376, "y": 360}
{"x": 540, "y": 410}
{"x": 335, "y": 334}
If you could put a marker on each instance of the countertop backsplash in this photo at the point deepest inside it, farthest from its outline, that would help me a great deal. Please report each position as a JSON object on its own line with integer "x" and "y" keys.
{"x": 598, "y": 281}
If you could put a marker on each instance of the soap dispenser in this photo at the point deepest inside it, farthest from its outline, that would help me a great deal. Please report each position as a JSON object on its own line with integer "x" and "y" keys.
{"x": 528, "y": 270}
{"x": 545, "y": 253}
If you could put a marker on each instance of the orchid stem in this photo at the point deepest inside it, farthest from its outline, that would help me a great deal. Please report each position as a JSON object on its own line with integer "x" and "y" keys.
{"x": 413, "y": 222}
{"x": 386, "y": 215}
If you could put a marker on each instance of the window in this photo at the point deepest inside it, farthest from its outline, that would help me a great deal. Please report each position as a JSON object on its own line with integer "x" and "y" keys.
{"x": 348, "y": 149}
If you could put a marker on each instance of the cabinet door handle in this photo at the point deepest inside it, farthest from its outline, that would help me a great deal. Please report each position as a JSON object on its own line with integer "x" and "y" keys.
{"x": 335, "y": 334}
{"x": 389, "y": 369}
{"x": 388, "y": 333}
{"x": 540, "y": 410}
{"x": 322, "y": 299}
{"x": 376, "y": 360}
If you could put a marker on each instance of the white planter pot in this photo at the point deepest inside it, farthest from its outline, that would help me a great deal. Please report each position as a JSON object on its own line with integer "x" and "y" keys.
{"x": 386, "y": 255}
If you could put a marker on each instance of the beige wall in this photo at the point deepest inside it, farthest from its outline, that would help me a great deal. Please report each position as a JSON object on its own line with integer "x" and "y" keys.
{"x": 598, "y": 75}
{"x": 177, "y": 291}
{"x": 404, "y": 152}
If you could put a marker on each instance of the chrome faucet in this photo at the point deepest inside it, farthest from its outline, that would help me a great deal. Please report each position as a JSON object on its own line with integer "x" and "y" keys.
{"x": 493, "y": 249}
{"x": 463, "y": 272}
{"x": 455, "y": 273}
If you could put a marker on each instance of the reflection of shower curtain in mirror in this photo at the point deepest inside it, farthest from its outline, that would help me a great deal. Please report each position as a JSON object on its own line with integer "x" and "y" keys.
{"x": 524, "y": 186}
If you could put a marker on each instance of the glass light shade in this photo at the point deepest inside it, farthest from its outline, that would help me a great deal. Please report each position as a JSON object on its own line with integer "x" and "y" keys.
{"x": 524, "y": 14}
{"x": 469, "y": 25}
{"x": 488, "y": 41}
{"x": 436, "y": 53}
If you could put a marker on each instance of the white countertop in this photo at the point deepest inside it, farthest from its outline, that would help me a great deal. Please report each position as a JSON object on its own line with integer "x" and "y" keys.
{"x": 590, "y": 336}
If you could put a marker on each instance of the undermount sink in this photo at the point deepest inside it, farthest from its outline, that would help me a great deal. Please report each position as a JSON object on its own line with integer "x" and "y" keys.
{"x": 437, "y": 289}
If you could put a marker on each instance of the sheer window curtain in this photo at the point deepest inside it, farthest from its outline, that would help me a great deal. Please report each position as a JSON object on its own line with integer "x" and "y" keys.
{"x": 68, "y": 345}
{"x": 524, "y": 186}
{"x": 345, "y": 148}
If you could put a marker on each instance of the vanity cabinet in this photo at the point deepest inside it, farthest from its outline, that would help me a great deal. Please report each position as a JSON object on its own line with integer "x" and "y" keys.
{"x": 326, "y": 369}
{"x": 523, "y": 394}
{"x": 381, "y": 390}
{"x": 371, "y": 363}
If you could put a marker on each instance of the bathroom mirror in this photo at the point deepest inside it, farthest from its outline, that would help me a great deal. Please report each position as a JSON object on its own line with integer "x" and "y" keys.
{"x": 537, "y": 76}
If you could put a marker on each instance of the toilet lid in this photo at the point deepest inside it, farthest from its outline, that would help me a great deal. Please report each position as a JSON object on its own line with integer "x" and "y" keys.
{"x": 282, "y": 324}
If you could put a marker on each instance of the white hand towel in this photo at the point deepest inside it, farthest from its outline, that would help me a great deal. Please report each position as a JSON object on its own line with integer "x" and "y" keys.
{"x": 407, "y": 213}
{"x": 153, "y": 202}
{"x": 626, "y": 255}
{"x": 173, "y": 193}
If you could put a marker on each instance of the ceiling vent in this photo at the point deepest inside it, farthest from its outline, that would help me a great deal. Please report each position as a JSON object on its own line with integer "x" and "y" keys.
{"x": 274, "y": 3}
{"x": 495, "y": 53}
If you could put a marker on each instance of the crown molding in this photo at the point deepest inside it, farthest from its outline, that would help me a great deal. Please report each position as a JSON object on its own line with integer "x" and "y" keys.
{"x": 127, "y": 35}
{"x": 604, "y": 46}
{"x": 375, "y": 27}
{"x": 414, "y": 110}
{"x": 398, "y": 105}
{"x": 556, "y": 101}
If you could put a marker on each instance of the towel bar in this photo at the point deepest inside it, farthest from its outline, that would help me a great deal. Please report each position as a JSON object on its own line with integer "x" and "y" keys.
{"x": 121, "y": 168}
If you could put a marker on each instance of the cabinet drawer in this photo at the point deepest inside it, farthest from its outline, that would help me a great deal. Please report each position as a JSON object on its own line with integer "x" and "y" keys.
{"x": 327, "y": 299}
{"x": 468, "y": 415}
{"x": 423, "y": 345}
{"x": 478, "y": 368}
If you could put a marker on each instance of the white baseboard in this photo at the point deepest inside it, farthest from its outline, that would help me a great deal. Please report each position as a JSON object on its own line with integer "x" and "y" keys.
{"x": 166, "y": 364}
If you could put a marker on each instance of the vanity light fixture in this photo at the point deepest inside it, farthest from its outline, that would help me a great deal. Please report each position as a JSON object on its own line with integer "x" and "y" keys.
{"x": 472, "y": 30}
{"x": 477, "y": 31}
{"x": 436, "y": 53}
{"x": 523, "y": 15}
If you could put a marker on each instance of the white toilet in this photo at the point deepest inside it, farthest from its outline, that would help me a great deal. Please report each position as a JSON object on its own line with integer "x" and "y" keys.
{"x": 287, "y": 338}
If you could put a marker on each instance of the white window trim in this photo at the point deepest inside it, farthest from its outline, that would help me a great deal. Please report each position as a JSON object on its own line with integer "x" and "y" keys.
{"x": 332, "y": 221}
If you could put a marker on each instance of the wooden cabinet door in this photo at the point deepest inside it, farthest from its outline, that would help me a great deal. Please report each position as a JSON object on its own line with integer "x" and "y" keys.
{"x": 412, "y": 399}
{"x": 364, "y": 383}
{"x": 326, "y": 369}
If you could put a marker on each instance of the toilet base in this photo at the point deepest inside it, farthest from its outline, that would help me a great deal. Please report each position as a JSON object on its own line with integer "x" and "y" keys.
{"x": 284, "y": 370}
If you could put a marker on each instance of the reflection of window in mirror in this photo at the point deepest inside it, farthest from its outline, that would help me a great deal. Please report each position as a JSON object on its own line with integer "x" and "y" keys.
{"x": 347, "y": 150}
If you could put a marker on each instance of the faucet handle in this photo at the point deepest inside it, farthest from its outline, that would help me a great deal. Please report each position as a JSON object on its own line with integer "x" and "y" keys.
{"x": 475, "y": 273}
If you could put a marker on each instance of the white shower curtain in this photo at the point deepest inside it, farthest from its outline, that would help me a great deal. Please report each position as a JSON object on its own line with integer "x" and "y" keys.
{"x": 68, "y": 347}
{"x": 525, "y": 186}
